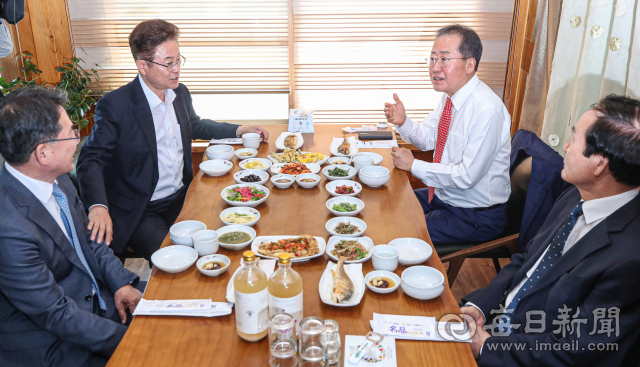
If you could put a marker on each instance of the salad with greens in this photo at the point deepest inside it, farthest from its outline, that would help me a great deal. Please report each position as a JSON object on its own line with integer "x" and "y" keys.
{"x": 244, "y": 194}
{"x": 345, "y": 207}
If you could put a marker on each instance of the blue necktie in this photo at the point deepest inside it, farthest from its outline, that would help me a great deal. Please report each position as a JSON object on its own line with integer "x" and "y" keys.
{"x": 61, "y": 198}
{"x": 551, "y": 256}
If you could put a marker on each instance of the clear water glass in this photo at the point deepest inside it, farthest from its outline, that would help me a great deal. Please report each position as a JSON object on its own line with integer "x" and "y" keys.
{"x": 330, "y": 338}
{"x": 282, "y": 341}
{"x": 312, "y": 352}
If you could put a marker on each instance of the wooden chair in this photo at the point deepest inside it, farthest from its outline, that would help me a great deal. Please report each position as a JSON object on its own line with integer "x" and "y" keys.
{"x": 507, "y": 243}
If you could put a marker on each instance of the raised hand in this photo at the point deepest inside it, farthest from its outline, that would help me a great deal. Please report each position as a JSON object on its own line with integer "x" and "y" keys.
{"x": 395, "y": 112}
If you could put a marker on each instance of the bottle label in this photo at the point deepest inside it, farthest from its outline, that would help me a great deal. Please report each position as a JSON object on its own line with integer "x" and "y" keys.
{"x": 291, "y": 305}
{"x": 252, "y": 311}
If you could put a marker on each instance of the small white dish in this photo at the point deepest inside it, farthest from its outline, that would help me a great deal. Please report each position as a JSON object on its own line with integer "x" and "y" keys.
{"x": 216, "y": 167}
{"x": 206, "y": 242}
{"x": 240, "y": 153}
{"x": 345, "y": 199}
{"x": 220, "y": 151}
{"x": 339, "y": 160}
{"x": 365, "y": 241}
{"x": 361, "y": 160}
{"x": 377, "y": 158}
{"x": 250, "y": 203}
{"x": 333, "y": 222}
{"x": 308, "y": 185}
{"x": 333, "y": 185}
{"x": 236, "y": 228}
{"x": 251, "y": 140}
{"x": 374, "y": 176}
{"x": 283, "y": 185}
{"x": 264, "y": 176}
{"x": 217, "y": 257}
{"x": 240, "y": 210}
{"x": 280, "y": 140}
{"x": 351, "y": 172}
{"x": 174, "y": 259}
{"x": 385, "y": 257}
{"x": 336, "y": 142}
{"x": 422, "y": 282}
{"x": 382, "y": 125}
{"x": 278, "y": 167}
{"x": 180, "y": 233}
{"x": 412, "y": 251}
{"x": 385, "y": 274}
{"x": 266, "y": 164}
{"x": 322, "y": 246}
{"x": 325, "y": 288}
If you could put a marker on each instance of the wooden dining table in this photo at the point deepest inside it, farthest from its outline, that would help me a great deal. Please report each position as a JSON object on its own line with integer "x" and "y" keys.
{"x": 391, "y": 211}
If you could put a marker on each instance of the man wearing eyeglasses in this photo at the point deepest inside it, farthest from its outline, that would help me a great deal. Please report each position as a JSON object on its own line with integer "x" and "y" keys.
{"x": 63, "y": 298}
{"x": 135, "y": 168}
{"x": 469, "y": 131}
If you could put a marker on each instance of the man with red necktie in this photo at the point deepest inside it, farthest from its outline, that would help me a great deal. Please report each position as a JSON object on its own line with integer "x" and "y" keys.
{"x": 470, "y": 130}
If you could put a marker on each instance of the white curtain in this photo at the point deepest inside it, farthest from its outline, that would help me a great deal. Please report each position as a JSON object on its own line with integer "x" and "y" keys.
{"x": 597, "y": 53}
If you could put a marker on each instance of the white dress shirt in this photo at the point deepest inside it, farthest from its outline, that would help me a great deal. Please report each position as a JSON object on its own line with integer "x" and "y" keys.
{"x": 168, "y": 140}
{"x": 43, "y": 191}
{"x": 474, "y": 169}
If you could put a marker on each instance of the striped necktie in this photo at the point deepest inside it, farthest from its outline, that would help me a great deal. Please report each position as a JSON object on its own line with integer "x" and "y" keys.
{"x": 443, "y": 131}
{"x": 61, "y": 198}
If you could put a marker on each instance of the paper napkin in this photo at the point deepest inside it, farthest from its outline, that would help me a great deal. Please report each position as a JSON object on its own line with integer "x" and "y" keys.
{"x": 183, "y": 307}
{"x": 417, "y": 328}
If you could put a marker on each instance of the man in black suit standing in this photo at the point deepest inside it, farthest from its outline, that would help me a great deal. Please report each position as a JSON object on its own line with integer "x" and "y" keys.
{"x": 135, "y": 168}
{"x": 63, "y": 299}
{"x": 572, "y": 298}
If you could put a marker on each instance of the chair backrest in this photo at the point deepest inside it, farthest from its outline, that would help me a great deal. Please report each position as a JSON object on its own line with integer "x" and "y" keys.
{"x": 520, "y": 177}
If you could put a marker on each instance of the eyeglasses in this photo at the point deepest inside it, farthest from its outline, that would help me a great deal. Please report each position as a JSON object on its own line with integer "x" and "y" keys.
{"x": 444, "y": 61}
{"x": 172, "y": 66}
{"x": 76, "y": 135}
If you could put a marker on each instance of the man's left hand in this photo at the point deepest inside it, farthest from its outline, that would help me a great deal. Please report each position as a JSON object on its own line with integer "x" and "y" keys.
{"x": 402, "y": 158}
{"x": 478, "y": 334}
{"x": 127, "y": 298}
{"x": 253, "y": 129}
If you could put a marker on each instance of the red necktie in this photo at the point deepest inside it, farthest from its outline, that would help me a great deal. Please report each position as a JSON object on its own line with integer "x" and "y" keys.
{"x": 443, "y": 131}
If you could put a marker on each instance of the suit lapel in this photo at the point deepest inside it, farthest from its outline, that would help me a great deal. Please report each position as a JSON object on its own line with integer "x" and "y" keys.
{"x": 145, "y": 119}
{"x": 185, "y": 131}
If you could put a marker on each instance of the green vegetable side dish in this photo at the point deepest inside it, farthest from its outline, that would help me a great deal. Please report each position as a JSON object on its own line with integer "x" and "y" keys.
{"x": 345, "y": 207}
{"x": 234, "y": 238}
{"x": 338, "y": 172}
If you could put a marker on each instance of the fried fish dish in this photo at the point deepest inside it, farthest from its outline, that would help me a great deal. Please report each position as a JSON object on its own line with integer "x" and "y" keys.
{"x": 342, "y": 285}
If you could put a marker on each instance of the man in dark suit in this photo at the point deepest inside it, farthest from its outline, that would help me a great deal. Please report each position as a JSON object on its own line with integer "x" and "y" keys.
{"x": 63, "y": 299}
{"x": 572, "y": 298}
{"x": 135, "y": 168}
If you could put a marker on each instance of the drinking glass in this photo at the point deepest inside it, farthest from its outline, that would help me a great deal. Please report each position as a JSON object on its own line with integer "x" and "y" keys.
{"x": 330, "y": 338}
{"x": 312, "y": 352}
{"x": 282, "y": 341}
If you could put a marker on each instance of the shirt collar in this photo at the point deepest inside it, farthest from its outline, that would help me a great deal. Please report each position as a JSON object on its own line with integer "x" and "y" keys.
{"x": 597, "y": 209}
{"x": 152, "y": 98}
{"x": 40, "y": 189}
{"x": 461, "y": 95}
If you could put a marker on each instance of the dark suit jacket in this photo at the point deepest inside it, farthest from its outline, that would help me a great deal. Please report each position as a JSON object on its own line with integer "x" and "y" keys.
{"x": 599, "y": 271}
{"x": 46, "y": 308}
{"x": 545, "y": 185}
{"x": 118, "y": 164}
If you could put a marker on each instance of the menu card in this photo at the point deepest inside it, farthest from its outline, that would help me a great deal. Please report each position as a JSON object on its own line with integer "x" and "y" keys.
{"x": 382, "y": 354}
{"x": 301, "y": 121}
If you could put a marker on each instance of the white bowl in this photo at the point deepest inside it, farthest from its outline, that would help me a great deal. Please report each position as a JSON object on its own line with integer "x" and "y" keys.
{"x": 337, "y": 160}
{"x": 277, "y": 167}
{"x": 333, "y": 222}
{"x": 332, "y": 185}
{"x": 365, "y": 242}
{"x": 345, "y": 199}
{"x": 223, "y": 194}
{"x": 236, "y": 228}
{"x": 240, "y": 210}
{"x": 289, "y": 178}
{"x": 377, "y": 158}
{"x": 308, "y": 185}
{"x": 220, "y": 152}
{"x": 206, "y": 242}
{"x": 246, "y": 172}
{"x": 413, "y": 251}
{"x": 216, "y": 167}
{"x": 385, "y": 257}
{"x": 253, "y": 152}
{"x": 251, "y": 140}
{"x": 352, "y": 171}
{"x": 181, "y": 232}
{"x": 217, "y": 257}
{"x": 382, "y": 273}
{"x": 361, "y": 160}
{"x": 174, "y": 259}
{"x": 422, "y": 282}
{"x": 374, "y": 176}
{"x": 265, "y": 162}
